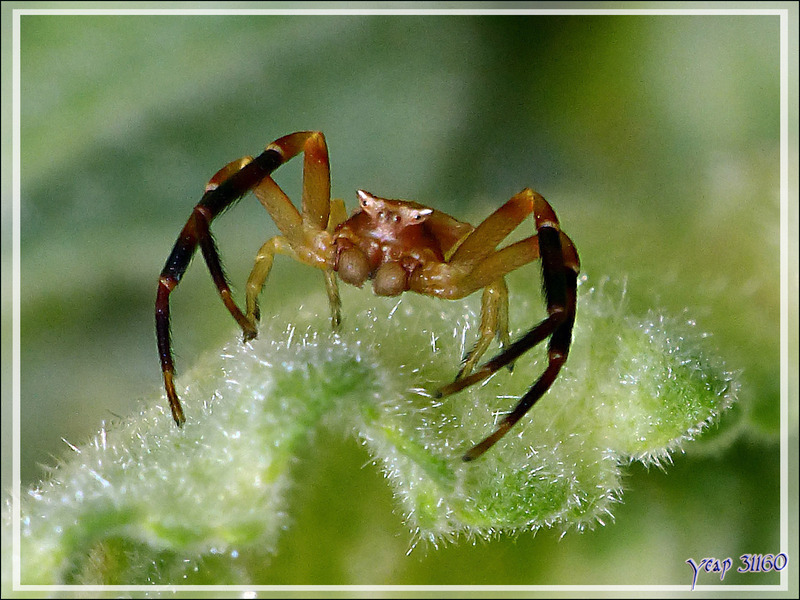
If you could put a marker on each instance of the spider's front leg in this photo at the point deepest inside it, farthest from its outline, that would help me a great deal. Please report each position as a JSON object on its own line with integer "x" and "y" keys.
{"x": 476, "y": 264}
{"x": 560, "y": 268}
{"x": 306, "y": 234}
{"x": 225, "y": 188}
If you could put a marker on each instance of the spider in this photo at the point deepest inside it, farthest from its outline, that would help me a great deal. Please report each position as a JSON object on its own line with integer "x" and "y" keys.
{"x": 399, "y": 246}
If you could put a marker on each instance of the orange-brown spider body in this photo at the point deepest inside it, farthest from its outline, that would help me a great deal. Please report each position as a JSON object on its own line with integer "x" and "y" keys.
{"x": 390, "y": 242}
{"x": 399, "y": 246}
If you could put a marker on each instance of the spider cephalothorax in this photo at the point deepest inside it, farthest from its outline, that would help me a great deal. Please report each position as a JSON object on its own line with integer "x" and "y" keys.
{"x": 398, "y": 245}
{"x": 386, "y": 241}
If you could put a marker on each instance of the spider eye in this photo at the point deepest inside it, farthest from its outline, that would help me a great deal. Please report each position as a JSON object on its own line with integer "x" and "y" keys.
{"x": 421, "y": 215}
{"x": 364, "y": 198}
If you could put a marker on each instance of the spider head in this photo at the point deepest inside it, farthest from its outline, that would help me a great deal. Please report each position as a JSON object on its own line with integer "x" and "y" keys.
{"x": 392, "y": 215}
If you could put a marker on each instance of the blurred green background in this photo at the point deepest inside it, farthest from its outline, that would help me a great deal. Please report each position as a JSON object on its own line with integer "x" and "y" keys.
{"x": 655, "y": 138}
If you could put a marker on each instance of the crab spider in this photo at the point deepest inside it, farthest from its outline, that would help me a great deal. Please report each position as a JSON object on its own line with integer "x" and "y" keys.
{"x": 397, "y": 245}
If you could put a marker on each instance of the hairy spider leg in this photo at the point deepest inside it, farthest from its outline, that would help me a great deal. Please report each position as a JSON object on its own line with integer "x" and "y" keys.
{"x": 478, "y": 248}
{"x": 231, "y": 183}
{"x": 474, "y": 264}
{"x": 560, "y": 330}
{"x": 306, "y": 235}
{"x": 560, "y": 268}
{"x": 536, "y": 335}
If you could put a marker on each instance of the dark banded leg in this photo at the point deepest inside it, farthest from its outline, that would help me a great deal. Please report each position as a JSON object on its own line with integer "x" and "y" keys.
{"x": 560, "y": 267}
{"x": 296, "y": 227}
{"x": 224, "y": 189}
{"x": 475, "y": 265}
{"x": 557, "y": 351}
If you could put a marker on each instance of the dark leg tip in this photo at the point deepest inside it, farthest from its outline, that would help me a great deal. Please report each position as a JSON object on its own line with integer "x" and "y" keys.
{"x": 476, "y": 451}
{"x": 177, "y": 413}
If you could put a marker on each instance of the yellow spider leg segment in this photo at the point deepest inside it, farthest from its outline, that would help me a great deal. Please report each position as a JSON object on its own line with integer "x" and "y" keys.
{"x": 260, "y": 272}
{"x": 494, "y": 323}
